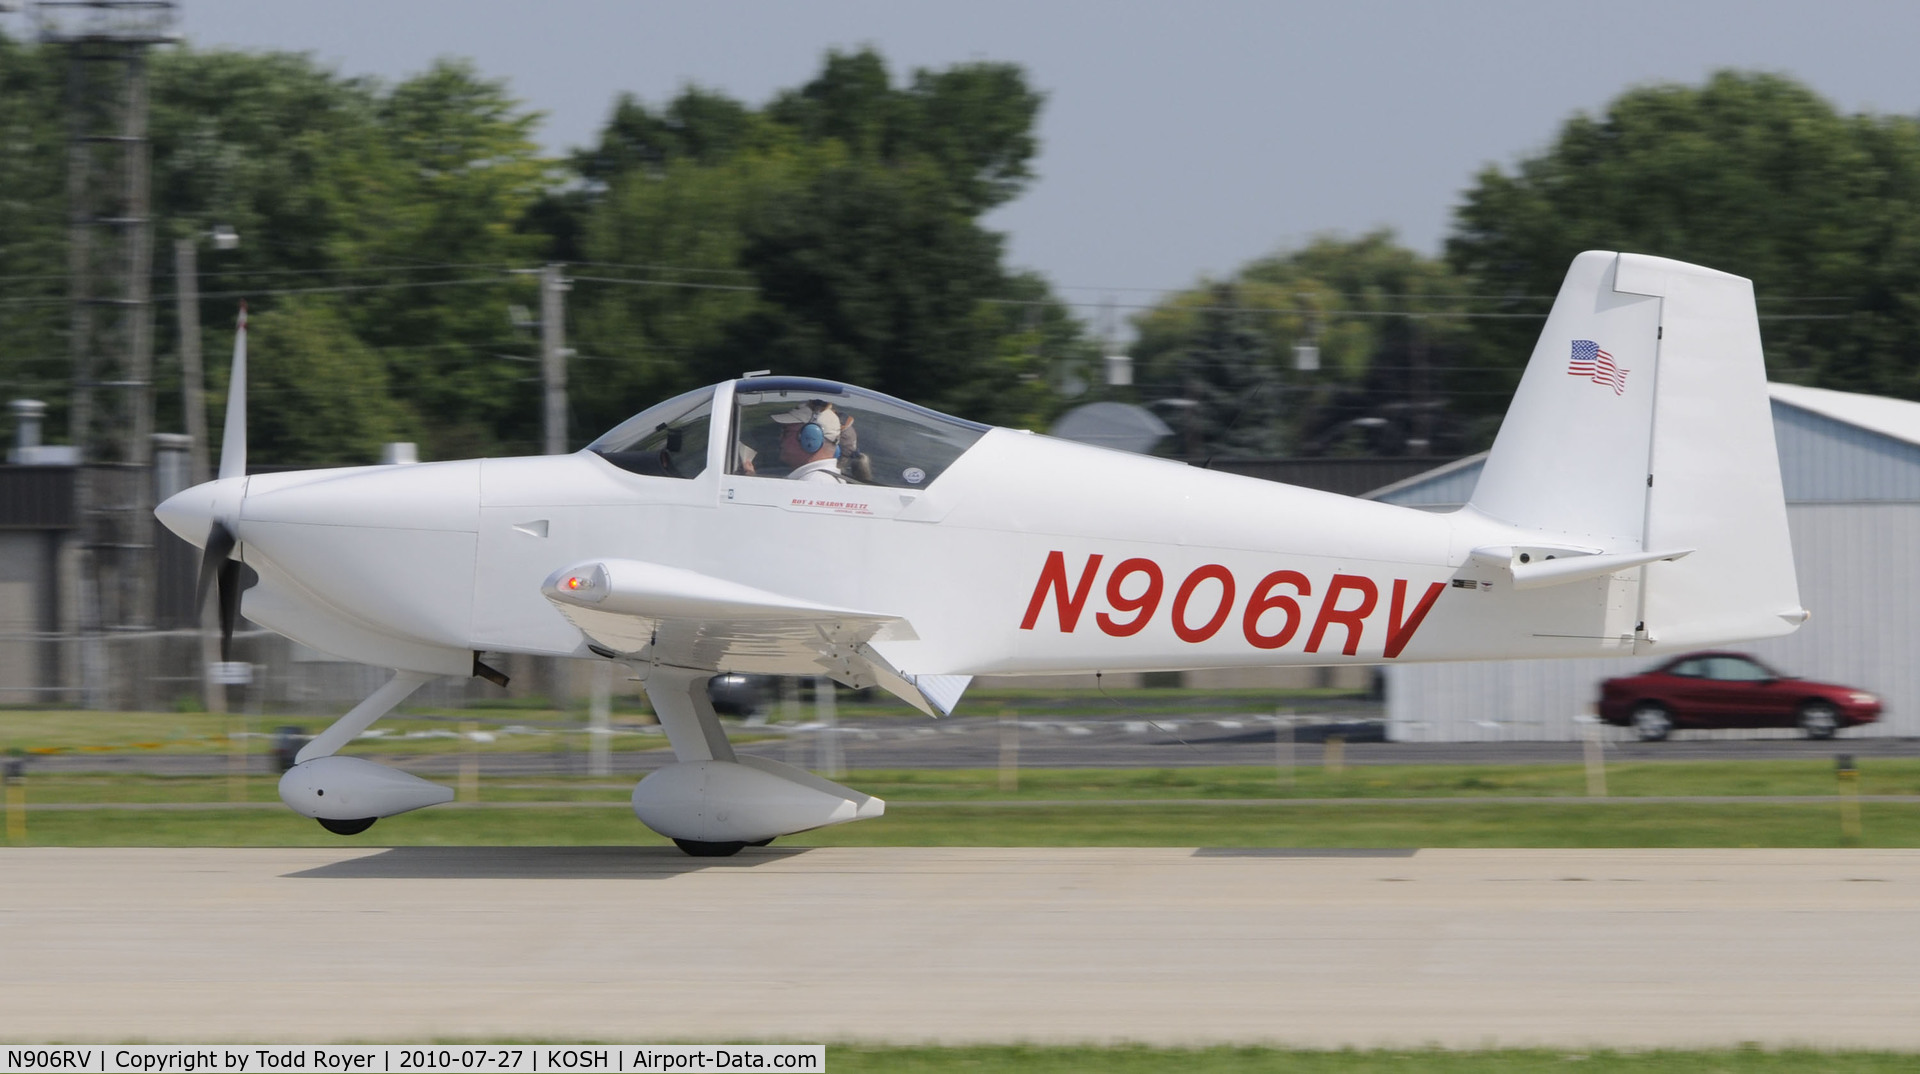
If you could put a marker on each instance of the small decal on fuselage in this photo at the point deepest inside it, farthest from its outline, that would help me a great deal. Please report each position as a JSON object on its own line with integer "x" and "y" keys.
{"x": 836, "y": 507}
{"x": 1207, "y": 599}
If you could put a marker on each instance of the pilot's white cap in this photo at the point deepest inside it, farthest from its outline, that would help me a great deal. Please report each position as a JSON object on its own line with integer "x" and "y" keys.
{"x": 828, "y": 421}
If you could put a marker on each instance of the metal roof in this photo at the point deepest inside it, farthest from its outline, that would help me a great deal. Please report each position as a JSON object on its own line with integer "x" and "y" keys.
{"x": 1897, "y": 418}
{"x": 1835, "y": 447}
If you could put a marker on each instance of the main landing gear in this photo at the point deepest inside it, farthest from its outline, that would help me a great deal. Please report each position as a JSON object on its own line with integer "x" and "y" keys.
{"x": 713, "y": 803}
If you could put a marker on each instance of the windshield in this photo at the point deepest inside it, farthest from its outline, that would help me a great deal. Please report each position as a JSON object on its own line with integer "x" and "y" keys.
{"x": 791, "y": 426}
{"x": 665, "y": 440}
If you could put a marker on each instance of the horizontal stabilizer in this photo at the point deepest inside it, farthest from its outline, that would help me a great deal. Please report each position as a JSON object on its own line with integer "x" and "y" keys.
{"x": 1534, "y": 569}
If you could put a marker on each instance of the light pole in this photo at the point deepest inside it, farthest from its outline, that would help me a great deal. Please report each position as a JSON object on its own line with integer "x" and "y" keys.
{"x": 193, "y": 393}
{"x": 193, "y": 405}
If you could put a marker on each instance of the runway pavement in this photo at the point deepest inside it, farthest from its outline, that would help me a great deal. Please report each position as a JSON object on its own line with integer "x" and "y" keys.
{"x": 1464, "y": 948}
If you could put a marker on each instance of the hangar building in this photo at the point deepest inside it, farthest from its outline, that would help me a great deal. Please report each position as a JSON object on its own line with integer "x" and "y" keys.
{"x": 1850, "y": 465}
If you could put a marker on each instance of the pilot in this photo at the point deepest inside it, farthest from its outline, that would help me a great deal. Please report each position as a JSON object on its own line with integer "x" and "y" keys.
{"x": 809, "y": 442}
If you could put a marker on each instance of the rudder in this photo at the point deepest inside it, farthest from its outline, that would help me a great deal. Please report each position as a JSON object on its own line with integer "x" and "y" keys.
{"x": 1642, "y": 424}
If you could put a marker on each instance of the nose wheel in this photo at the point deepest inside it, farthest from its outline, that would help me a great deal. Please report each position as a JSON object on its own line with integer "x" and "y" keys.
{"x": 347, "y": 827}
{"x": 700, "y": 848}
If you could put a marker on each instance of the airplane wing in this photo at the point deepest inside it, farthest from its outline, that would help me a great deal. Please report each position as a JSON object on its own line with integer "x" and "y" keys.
{"x": 667, "y": 615}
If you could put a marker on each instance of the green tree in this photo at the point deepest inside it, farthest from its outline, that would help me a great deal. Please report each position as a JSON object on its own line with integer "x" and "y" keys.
{"x": 346, "y": 183}
{"x": 1384, "y": 322}
{"x": 320, "y": 397}
{"x": 33, "y": 229}
{"x": 835, "y": 232}
{"x": 1749, "y": 173}
{"x": 458, "y": 170}
{"x": 676, "y": 233}
{"x": 974, "y": 122}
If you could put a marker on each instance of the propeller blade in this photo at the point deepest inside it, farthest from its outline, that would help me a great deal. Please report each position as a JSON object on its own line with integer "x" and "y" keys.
{"x": 233, "y": 441}
{"x": 229, "y": 605}
{"x": 213, "y": 560}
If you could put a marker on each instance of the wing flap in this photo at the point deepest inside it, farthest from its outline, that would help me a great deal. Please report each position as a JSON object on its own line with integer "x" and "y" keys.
{"x": 670, "y": 615}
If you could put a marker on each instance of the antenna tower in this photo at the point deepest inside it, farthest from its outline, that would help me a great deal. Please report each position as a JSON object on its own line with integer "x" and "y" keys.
{"x": 110, "y": 267}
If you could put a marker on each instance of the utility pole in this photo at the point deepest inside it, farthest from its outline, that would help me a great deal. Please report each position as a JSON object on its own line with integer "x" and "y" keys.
{"x": 553, "y": 375}
{"x": 193, "y": 380}
{"x": 193, "y": 404}
{"x": 554, "y": 355}
{"x": 110, "y": 264}
{"x": 193, "y": 396}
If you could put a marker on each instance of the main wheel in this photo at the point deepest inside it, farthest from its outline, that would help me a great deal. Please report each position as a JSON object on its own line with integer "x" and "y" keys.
{"x": 347, "y": 827}
{"x": 702, "y": 849}
{"x": 1819, "y": 719}
{"x": 1651, "y": 722}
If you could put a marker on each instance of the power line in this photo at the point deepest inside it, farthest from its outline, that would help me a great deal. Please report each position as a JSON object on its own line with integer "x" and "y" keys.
{"x": 1171, "y": 305}
{"x": 668, "y": 283}
{"x": 660, "y": 268}
{"x": 351, "y": 287}
{"x": 424, "y": 267}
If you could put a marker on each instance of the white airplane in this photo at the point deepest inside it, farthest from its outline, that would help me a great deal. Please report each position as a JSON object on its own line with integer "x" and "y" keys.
{"x": 1631, "y": 505}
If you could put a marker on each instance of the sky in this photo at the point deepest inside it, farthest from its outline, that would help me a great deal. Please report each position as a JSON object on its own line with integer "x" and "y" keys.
{"x": 1178, "y": 141}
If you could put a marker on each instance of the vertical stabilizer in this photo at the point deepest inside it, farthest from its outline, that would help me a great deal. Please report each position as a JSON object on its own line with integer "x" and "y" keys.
{"x": 1642, "y": 424}
{"x": 1571, "y": 457}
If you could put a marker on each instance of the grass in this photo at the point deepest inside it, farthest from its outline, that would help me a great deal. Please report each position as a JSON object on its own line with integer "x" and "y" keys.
{"x": 1477, "y": 825}
{"x": 1157, "y": 701}
{"x": 49, "y": 732}
{"x": 533, "y": 723}
{"x": 1661, "y": 778}
{"x": 1705, "y": 779}
{"x": 1411, "y": 826}
{"x": 1225, "y": 807}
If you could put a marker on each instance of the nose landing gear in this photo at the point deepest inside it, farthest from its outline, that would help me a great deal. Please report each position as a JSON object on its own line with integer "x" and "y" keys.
{"x": 346, "y": 827}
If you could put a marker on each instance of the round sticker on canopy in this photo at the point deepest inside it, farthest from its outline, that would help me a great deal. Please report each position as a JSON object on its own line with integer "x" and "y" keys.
{"x": 913, "y": 475}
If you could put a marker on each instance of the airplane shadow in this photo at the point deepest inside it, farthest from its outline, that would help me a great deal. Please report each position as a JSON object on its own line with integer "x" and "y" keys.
{"x": 535, "y": 863}
{"x": 1306, "y": 852}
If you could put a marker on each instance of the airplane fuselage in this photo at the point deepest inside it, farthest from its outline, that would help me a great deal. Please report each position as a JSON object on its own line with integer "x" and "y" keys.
{"x": 1029, "y": 555}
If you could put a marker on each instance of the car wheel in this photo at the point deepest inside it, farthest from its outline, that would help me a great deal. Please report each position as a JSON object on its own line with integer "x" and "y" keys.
{"x": 1651, "y": 722}
{"x": 1819, "y": 719}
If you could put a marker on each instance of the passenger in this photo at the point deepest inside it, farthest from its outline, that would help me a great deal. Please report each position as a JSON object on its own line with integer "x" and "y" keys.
{"x": 855, "y": 465}
{"x": 809, "y": 439}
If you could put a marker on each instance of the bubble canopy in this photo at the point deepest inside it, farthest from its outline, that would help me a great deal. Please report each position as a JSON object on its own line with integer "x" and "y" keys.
{"x": 876, "y": 439}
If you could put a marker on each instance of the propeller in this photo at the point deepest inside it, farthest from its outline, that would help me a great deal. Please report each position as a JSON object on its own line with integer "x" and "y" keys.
{"x": 216, "y": 562}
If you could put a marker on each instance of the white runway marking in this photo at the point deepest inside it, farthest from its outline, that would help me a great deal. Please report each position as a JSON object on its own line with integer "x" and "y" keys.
{"x": 1314, "y": 948}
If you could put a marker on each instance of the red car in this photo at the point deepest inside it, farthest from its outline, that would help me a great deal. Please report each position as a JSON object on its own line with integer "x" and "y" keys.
{"x": 1730, "y": 690}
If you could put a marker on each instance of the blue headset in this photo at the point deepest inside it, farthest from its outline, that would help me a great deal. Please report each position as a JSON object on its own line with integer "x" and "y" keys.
{"x": 811, "y": 437}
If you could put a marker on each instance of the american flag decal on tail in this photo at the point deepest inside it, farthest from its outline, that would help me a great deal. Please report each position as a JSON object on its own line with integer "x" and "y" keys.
{"x": 1596, "y": 365}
